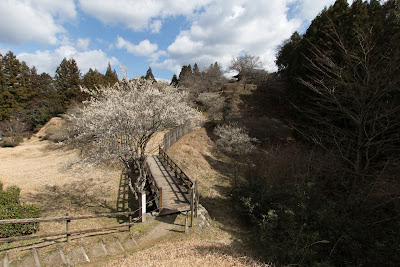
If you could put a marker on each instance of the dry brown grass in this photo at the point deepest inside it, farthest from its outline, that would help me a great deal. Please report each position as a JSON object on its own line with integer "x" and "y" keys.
{"x": 38, "y": 170}
{"x": 187, "y": 253}
{"x": 195, "y": 154}
{"x": 47, "y": 178}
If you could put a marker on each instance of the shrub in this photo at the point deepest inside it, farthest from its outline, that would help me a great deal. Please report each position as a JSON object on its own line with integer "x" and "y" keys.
{"x": 11, "y": 208}
{"x": 213, "y": 103}
{"x": 303, "y": 212}
{"x": 14, "y": 142}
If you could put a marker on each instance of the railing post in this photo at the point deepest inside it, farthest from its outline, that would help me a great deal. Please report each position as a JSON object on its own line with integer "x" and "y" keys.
{"x": 67, "y": 229}
{"x": 160, "y": 198}
{"x": 196, "y": 199}
{"x": 191, "y": 206}
{"x": 142, "y": 205}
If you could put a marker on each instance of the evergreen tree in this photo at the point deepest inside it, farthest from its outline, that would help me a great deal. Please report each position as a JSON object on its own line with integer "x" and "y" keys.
{"x": 196, "y": 70}
{"x": 68, "y": 79}
{"x": 15, "y": 79}
{"x": 150, "y": 76}
{"x": 111, "y": 76}
{"x": 186, "y": 72}
{"x": 174, "y": 80}
{"x": 93, "y": 78}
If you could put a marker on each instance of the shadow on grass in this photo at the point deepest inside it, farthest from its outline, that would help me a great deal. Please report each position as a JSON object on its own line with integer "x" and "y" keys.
{"x": 75, "y": 196}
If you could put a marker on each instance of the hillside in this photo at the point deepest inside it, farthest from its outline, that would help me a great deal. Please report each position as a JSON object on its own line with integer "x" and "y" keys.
{"x": 54, "y": 178}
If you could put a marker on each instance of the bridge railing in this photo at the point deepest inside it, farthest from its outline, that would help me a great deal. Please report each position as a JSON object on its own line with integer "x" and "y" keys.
{"x": 192, "y": 186}
{"x": 156, "y": 189}
{"x": 175, "y": 168}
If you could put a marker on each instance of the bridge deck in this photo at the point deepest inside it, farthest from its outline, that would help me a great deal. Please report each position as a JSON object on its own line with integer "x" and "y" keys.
{"x": 175, "y": 196}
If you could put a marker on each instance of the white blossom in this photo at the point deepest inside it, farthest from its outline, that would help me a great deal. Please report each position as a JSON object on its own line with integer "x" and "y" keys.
{"x": 119, "y": 120}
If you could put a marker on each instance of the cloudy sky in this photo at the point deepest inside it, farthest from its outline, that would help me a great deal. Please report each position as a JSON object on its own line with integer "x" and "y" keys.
{"x": 163, "y": 34}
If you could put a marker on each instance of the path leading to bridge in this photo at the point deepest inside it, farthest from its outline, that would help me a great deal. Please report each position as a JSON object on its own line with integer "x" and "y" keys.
{"x": 175, "y": 196}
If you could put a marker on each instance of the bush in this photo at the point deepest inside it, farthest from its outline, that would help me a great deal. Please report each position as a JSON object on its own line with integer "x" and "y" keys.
{"x": 14, "y": 142}
{"x": 303, "y": 213}
{"x": 11, "y": 208}
{"x": 213, "y": 103}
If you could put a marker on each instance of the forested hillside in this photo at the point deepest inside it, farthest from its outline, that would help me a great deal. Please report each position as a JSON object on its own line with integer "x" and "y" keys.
{"x": 34, "y": 98}
{"x": 332, "y": 196}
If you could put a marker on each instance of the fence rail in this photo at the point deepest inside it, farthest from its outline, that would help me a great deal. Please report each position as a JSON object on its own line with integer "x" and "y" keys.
{"x": 156, "y": 189}
{"x": 68, "y": 220}
{"x": 175, "y": 168}
{"x": 172, "y": 136}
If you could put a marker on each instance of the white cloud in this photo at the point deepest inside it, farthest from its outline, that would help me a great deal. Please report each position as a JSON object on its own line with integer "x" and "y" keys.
{"x": 144, "y": 48}
{"x": 48, "y": 61}
{"x": 227, "y": 28}
{"x": 155, "y": 26}
{"x": 138, "y": 15}
{"x": 83, "y": 43}
{"x": 34, "y": 20}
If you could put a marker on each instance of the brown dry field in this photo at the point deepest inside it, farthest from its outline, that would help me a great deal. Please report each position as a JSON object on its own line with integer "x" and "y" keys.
{"x": 38, "y": 170}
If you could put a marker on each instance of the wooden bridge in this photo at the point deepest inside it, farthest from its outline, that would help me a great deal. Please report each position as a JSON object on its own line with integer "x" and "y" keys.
{"x": 173, "y": 190}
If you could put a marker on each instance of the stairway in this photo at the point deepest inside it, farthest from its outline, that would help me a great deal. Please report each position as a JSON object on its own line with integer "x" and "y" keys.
{"x": 63, "y": 254}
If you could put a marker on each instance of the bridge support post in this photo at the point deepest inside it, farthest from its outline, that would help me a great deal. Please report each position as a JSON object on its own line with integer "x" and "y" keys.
{"x": 187, "y": 223}
{"x": 142, "y": 205}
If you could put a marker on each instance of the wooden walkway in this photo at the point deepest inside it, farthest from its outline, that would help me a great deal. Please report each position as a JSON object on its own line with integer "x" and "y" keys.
{"x": 175, "y": 196}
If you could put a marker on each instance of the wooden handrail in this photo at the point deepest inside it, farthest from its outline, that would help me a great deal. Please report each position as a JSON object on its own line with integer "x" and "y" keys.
{"x": 178, "y": 171}
{"x": 154, "y": 186}
{"x": 65, "y": 218}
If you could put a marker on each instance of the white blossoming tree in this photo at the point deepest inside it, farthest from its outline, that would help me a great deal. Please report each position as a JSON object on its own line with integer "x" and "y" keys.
{"x": 235, "y": 142}
{"x": 119, "y": 120}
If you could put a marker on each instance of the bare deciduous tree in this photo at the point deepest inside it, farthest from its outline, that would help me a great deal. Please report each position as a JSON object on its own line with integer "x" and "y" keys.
{"x": 246, "y": 66}
{"x": 119, "y": 120}
{"x": 12, "y": 129}
{"x": 354, "y": 106}
{"x": 213, "y": 103}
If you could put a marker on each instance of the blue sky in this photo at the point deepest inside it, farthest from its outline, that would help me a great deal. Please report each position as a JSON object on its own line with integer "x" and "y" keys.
{"x": 163, "y": 34}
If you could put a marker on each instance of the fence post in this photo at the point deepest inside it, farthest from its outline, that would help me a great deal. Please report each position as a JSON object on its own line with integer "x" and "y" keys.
{"x": 142, "y": 205}
{"x": 67, "y": 229}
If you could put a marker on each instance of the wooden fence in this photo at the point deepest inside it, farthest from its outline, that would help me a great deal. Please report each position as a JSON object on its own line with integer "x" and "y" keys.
{"x": 67, "y": 219}
{"x": 172, "y": 136}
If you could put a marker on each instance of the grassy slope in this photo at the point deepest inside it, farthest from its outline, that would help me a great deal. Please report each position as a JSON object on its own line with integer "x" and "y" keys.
{"x": 224, "y": 243}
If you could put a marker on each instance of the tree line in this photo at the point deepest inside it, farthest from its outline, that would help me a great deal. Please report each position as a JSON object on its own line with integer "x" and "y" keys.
{"x": 33, "y": 98}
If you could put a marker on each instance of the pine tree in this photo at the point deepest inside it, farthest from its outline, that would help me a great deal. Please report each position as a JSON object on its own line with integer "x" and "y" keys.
{"x": 68, "y": 79}
{"x": 15, "y": 80}
{"x": 150, "y": 76}
{"x": 196, "y": 70}
{"x": 186, "y": 71}
{"x": 111, "y": 76}
{"x": 93, "y": 78}
{"x": 174, "y": 80}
